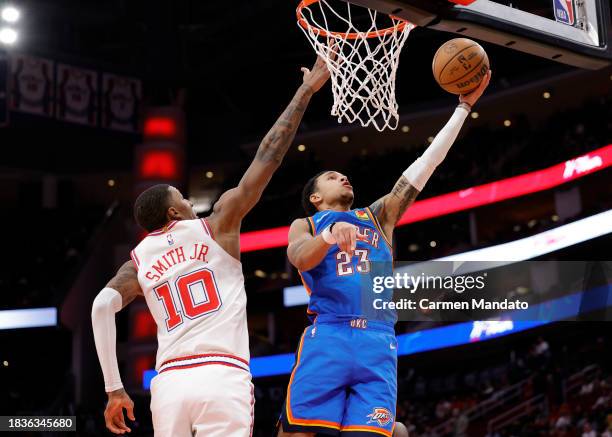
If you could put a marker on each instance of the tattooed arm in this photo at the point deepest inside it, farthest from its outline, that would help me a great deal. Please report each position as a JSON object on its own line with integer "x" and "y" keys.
{"x": 126, "y": 283}
{"x": 235, "y": 203}
{"x": 390, "y": 208}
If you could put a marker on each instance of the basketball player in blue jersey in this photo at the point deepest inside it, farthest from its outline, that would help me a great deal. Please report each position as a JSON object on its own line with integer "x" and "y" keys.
{"x": 345, "y": 378}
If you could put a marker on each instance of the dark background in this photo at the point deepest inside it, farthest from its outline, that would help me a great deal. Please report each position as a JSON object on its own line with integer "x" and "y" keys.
{"x": 233, "y": 69}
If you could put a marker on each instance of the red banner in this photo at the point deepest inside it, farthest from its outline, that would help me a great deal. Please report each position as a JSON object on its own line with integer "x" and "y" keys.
{"x": 437, "y": 206}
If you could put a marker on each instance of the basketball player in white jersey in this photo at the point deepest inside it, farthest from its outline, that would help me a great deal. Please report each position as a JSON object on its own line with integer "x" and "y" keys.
{"x": 189, "y": 271}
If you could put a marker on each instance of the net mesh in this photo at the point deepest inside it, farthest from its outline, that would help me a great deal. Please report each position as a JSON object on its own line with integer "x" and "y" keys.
{"x": 361, "y": 48}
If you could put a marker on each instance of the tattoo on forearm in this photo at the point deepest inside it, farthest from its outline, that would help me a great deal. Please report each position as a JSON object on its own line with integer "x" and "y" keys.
{"x": 276, "y": 143}
{"x": 389, "y": 209}
{"x": 400, "y": 185}
{"x": 406, "y": 194}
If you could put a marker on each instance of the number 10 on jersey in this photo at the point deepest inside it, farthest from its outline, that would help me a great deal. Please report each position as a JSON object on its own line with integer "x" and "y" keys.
{"x": 184, "y": 286}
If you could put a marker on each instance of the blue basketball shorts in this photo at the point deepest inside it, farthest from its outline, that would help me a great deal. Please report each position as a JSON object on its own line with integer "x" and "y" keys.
{"x": 344, "y": 381}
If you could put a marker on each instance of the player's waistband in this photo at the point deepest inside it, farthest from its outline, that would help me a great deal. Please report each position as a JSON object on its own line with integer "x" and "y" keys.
{"x": 203, "y": 360}
{"x": 355, "y": 322}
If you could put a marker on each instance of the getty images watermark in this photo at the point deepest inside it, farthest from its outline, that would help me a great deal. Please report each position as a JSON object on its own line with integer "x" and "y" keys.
{"x": 470, "y": 291}
{"x": 457, "y": 284}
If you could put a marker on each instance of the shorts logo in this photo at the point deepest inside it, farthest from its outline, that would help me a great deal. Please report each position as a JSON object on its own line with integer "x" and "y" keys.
{"x": 380, "y": 415}
{"x": 361, "y": 215}
{"x": 359, "y": 323}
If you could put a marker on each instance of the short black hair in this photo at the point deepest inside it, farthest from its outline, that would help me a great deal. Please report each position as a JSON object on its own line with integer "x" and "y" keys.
{"x": 309, "y": 188}
{"x": 151, "y": 206}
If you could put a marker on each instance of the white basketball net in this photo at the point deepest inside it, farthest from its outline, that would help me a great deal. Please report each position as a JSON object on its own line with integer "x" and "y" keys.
{"x": 363, "y": 62}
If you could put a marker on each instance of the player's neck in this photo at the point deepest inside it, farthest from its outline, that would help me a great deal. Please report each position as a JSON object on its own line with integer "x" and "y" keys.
{"x": 338, "y": 206}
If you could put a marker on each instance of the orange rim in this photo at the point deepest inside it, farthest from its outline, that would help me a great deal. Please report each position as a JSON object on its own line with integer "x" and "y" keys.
{"x": 351, "y": 35}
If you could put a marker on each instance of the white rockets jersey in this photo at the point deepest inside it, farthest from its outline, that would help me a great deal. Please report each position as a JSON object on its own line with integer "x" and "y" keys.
{"x": 195, "y": 292}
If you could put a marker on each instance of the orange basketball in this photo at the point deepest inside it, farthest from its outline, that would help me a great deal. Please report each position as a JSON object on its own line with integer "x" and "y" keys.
{"x": 459, "y": 65}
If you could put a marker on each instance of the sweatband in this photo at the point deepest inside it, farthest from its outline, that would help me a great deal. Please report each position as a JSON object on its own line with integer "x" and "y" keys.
{"x": 327, "y": 235}
{"x": 421, "y": 170}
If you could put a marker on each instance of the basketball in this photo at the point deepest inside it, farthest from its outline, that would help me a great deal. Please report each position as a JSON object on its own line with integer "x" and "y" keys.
{"x": 459, "y": 65}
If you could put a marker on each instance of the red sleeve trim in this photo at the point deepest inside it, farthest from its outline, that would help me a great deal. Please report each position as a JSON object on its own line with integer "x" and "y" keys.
{"x": 135, "y": 259}
{"x": 208, "y": 228}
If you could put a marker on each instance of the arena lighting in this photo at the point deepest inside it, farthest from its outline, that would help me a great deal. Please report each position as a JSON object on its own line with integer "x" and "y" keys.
{"x": 519, "y": 250}
{"x": 159, "y": 164}
{"x": 8, "y": 36}
{"x": 448, "y": 336}
{"x": 10, "y": 14}
{"x": 469, "y": 198}
{"x": 160, "y": 127}
{"x": 543, "y": 243}
{"x": 28, "y": 318}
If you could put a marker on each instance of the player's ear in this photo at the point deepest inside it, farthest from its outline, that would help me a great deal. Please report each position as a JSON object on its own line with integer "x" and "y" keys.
{"x": 315, "y": 198}
{"x": 173, "y": 214}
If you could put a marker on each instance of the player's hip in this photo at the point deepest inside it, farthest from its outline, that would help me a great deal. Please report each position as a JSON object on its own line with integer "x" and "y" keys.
{"x": 205, "y": 376}
{"x": 361, "y": 345}
{"x": 210, "y": 400}
{"x": 355, "y": 322}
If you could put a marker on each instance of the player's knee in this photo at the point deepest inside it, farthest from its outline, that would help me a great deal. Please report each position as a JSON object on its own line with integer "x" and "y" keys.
{"x": 400, "y": 430}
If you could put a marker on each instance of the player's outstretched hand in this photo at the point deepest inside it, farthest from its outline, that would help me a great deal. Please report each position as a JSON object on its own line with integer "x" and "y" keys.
{"x": 346, "y": 236}
{"x": 472, "y": 98}
{"x": 113, "y": 414}
{"x": 316, "y": 77}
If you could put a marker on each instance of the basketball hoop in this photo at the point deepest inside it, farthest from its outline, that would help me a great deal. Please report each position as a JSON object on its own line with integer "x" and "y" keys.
{"x": 363, "y": 63}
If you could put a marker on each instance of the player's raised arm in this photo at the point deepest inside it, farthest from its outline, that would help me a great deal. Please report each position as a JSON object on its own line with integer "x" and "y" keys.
{"x": 390, "y": 208}
{"x": 235, "y": 203}
{"x": 120, "y": 291}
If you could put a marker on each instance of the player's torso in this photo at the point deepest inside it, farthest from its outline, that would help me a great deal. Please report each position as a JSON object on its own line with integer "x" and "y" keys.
{"x": 337, "y": 284}
{"x": 195, "y": 292}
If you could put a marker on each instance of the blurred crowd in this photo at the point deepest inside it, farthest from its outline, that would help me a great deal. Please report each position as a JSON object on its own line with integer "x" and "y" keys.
{"x": 485, "y": 154}
{"x": 47, "y": 246}
{"x": 571, "y": 382}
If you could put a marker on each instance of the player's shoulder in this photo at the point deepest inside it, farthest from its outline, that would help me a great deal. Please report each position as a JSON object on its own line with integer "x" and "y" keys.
{"x": 300, "y": 223}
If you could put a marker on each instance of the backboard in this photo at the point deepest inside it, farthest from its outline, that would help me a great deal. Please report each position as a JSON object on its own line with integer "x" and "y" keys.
{"x": 574, "y": 32}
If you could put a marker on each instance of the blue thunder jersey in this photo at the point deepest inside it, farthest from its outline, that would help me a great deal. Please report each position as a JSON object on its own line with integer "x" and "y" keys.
{"x": 341, "y": 285}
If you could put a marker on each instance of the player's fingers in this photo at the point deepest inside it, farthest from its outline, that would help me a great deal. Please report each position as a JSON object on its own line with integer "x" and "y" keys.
{"x": 486, "y": 80}
{"x": 111, "y": 427}
{"x": 119, "y": 421}
{"x": 350, "y": 233}
{"x": 353, "y": 240}
{"x": 305, "y": 70}
{"x": 130, "y": 411}
{"x": 346, "y": 242}
{"x": 341, "y": 241}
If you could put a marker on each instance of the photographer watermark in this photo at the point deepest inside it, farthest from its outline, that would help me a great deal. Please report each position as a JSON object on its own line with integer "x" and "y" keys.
{"x": 470, "y": 291}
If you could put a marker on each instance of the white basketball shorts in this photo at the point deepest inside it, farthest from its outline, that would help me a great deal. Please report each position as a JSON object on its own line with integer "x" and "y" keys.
{"x": 204, "y": 400}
